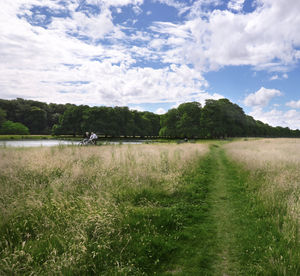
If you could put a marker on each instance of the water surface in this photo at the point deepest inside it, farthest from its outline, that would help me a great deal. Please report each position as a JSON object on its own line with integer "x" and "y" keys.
{"x": 51, "y": 143}
{"x": 35, "y": 143}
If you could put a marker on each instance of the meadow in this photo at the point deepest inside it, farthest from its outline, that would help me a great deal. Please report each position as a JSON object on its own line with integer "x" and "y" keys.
{"x": 214, "y": 208}
{"x": 83, "y": 210}
{"x": 278, "y": 160}
{"x": 274, "y": 185}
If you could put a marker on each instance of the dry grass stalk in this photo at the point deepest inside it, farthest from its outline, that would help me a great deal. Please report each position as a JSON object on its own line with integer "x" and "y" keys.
{"x": 99, "y": 170}
{"x": 68, "y": 195}
{"x": 280, "y": 160}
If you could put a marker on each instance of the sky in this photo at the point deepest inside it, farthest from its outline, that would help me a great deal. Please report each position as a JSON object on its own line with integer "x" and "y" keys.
{"x": 152, "y": 55}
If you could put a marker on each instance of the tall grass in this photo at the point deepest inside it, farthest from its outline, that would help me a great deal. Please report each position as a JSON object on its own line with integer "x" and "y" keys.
{"x": 102, "y": 210}
{"x": 279, "y": 162}
{"x": 274, "y": 166}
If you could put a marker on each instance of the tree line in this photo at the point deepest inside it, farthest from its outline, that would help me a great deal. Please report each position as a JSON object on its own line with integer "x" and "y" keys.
{"x": 217, "y": 119}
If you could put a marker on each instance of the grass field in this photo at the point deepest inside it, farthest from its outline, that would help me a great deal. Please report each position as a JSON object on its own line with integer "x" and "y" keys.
{"x": 274, "y": 174}
{"x": 278, "y": 160}
{"x": 166, "y": 209}
{"x": 108, "y": 209}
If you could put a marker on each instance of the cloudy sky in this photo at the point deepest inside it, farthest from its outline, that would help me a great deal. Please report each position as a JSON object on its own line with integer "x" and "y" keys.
{"x": 154, "y": 54}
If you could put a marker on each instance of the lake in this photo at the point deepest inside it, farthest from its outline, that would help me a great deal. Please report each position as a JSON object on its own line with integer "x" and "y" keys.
{"x": 51, "y": 143}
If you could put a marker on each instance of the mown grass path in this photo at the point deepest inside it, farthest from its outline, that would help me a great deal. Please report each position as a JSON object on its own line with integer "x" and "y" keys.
{"x": 215, "y": 251}
{"x": 222, "y": 212}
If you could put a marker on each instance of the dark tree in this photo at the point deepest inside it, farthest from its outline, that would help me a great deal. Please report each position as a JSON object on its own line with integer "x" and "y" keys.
{"x": 169, "y": 123}
{"x": 2, "y": 116}
{"x": 221, "y": 118}
{"x": 188, "y": 124}
{"x": 35, "y": 119}
{"x": 72, "y": 121}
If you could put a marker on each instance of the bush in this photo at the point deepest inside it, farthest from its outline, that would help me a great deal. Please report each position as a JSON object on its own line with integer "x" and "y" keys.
{"x": 9, "y": 127}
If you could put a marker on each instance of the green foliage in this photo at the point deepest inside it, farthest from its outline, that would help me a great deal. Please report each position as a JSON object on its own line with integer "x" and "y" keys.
{"x": 35, "y": 119}
{"x": 221, "y": 119}
{"x": 188, "y": 124}
{"x": 107, "y": 121}
{"x": 71, "y": 122}
{"x": 9, "y": 127}
{"x": 152, "y": 123}
{"x": 37, "y": 116}
{"x": 217, "y": 119}
{"x": 168, "y": 124}
{"x": 2, "y": 116}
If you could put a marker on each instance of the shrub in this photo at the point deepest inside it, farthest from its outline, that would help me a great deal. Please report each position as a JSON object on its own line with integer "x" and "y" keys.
{"x": 9, "y": 127}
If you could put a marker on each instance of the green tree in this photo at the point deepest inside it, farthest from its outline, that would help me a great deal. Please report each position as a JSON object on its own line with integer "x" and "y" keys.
{"x": 35, "y": 119}
{"x": 123, "y": 121}
{"x": 55, "y": 111}
{"x": 188, "y": 124}
{"x": 154, "y": 120}
{"x": 9, "y": 127}
{"x": 2, "y": 116}
{"x": 169, "y": 123}
{"x": 97, "y": 119}
{"x": 221, "y": 118}
{"x": 71, "y": 122}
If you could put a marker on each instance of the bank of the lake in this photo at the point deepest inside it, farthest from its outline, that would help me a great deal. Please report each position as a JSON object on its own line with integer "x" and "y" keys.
{"x": 5, "y": 137}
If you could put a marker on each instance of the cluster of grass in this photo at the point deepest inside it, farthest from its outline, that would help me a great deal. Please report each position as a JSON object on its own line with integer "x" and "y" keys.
{"x": 103, "y": 210}
{"x": 24, "y": 137}
{"x": 269, "y": 217}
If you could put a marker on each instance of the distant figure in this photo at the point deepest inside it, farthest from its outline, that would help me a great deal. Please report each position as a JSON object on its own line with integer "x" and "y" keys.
{"x": 93, "y": 138}
{"x": 86, "y": 136}
{"x": 185, "y": 139}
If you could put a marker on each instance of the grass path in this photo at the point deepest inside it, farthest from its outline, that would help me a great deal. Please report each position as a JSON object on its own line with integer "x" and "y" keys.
{"x": 226, "y": 261}
{"x": 211, "y": 247}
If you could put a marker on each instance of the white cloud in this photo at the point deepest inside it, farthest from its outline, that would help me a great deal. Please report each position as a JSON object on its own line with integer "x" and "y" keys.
{"x": 294, "y": 104}
{"x": 236, "y": 5}
{"x": 138, "y": 108}
{"x": 160, "y": 111}
{"x": 267, "y": 38}
{"x": 137, "y": 10}
{"x": 262, "y": 97}
{"x": 274, "y": 77}
{"x": 49, "y": 64}
{"x": 277, "y": 77}
{"x": 117, "y": 3}
{"x": 275, "y": 117}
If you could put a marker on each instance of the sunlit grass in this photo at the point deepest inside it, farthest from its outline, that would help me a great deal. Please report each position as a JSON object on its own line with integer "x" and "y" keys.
{"x": 279, "y": 160}
{"x": 274, "y": 165}
{"x": 90, "y": 210}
